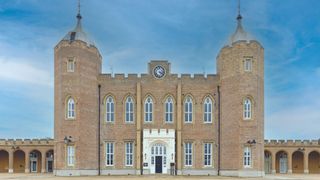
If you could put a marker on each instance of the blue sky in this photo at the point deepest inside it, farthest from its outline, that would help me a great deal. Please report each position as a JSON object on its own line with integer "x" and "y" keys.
{"x": 189, "y": 33}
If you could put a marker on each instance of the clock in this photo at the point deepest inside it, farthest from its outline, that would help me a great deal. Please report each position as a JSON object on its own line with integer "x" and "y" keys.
{"x": 159, "y": 72}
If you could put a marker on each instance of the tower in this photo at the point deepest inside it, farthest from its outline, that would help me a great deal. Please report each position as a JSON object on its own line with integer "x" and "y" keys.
{"x": 77, "y": 65}
{"x": 240, "y": 67}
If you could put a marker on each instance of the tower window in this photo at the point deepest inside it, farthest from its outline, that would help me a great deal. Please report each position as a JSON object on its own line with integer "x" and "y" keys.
{"x": 70, "y": 108}
{"x": 148, "y": 106}
{"x": 109, "y": 109}
{"x": 169, "y": 110}
{"x": 248, "y": 65}
{"x": 188, "y": 110}
{"x": 207, "y": 116}
{"x": 70, "y": 65}
{"x": 247, "y": 160}
{"x": 247, "y": 109}
{"x": 129, "y": 109}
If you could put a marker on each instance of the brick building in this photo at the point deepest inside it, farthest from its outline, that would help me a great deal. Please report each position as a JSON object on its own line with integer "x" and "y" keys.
{"x": 158, "y": 122}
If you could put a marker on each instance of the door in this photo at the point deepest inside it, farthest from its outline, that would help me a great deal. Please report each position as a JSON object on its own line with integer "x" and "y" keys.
{"x": 283, "y": 165}
{"x": 158, "y": 164}
{"x": 33, "y": 166}
{"x": 49, "y": 166}
{"x": 267, "y": 163}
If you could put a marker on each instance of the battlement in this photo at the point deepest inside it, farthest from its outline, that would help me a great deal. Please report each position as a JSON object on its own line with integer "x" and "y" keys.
{"x": 158, "y": 133}
{"x": 292, "y": 142}
{"x": 27, "y": 142}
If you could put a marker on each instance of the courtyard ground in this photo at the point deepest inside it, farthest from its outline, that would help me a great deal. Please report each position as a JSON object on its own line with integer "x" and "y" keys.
{"x": 51, "y": 177}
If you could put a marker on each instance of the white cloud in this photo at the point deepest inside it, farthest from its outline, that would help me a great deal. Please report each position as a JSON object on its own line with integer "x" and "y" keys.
{"x": 13, "y": 70}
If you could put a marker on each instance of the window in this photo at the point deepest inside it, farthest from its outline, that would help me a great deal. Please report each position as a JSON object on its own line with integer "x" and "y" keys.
{"x": 109, "y": 153}
{"x": 109, "y": 109}
{"x": 129, "y": 154}
{"x": 70, "y": 108}
{"x": 247, "y": 157}
{"x": 70, "y": 65}
{"x": 148, "y": 110}
{"x": 188, "y": 154}
{"x": 129, "y": 109}
{"x": 247, "y": 109}
{"x": 70, "y": 156}
{"x": 207, "y": 110}
{"x": 188, "y": 110}
{"x": 207, "y": 154}
{"x": 169, "y": 110}
{"x": 248, "y": 65}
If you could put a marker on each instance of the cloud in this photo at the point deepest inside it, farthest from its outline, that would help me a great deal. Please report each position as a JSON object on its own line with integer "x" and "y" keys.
{"x": 13, "y": 70}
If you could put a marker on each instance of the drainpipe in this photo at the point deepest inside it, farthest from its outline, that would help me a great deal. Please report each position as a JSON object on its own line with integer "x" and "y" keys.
{"x": 219, "y": 131}
{"x": 99, "y": 129}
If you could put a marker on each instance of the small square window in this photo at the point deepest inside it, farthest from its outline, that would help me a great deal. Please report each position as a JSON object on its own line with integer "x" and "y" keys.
{"x": 248, "y": 65}
{"x": 70, "y": 65}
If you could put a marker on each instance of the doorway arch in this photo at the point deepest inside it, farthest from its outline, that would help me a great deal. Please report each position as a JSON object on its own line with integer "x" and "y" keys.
{"x": 4, "y": 161}
{"x": 314, "y": 162}
{"x": 19, "y": 161}
{"x": 35, "y": 161}
{"x": 282, "y": 162}
{"x": 158, "y": 158}
{"x": 297, "y": 162}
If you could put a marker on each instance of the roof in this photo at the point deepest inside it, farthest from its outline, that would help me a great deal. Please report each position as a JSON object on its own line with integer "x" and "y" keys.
{"x": 240, "y": 34}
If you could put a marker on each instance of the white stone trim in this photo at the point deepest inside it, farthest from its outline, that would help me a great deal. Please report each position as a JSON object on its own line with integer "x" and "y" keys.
{"x": 77, "y": 172}
{"x": 203, "y": 172}
{"x": 242, "y": 173}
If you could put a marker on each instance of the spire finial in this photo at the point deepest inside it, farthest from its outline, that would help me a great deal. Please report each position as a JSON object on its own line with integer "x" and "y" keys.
{"x": 79, "y": 15}
{"x": 239, "y": 17}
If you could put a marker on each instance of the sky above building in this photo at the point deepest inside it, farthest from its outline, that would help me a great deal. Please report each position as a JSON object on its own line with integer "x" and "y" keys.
{"x": 188, "y": 33}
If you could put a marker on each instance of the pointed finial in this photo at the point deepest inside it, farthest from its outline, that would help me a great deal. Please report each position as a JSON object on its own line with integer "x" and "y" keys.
{"x": 79, "y": 15}
{"x": 239, "y": 17}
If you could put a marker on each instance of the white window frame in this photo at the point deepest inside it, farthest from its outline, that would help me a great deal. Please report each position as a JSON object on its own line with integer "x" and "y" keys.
{"x": 70, "y": 65}
{"x": 247, "y": 65}
{"x": 207, "y": 154}
{"x": 168, "y": 106}
{"x": 129, "y": 153}
{"x": 129, "y": 110}
{"x": 110, "y": 108}
{"x": 109, "y": 154}
{"x": 188, "y": 154}
{"x": 70, "y": 155}
{"x": 247, "y": 109}
{"x": 71, "y": 113}
{"x": 148, "y": 110}
{"x": 207, "y": 111}
{"x": 188, "y": 110}
{"x": 247, "y": 157}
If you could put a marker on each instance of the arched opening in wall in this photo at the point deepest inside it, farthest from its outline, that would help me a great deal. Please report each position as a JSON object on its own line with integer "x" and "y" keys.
{"x": 267, "y": 162}
{"x": 282, "y": 162}
{"x": 19, "y": 161}
{"x": 297, "y": 162}
{"x": 314, "y": 162}
{"x": 49, "y": 161}
{"x": 4, "y": 161}
{"x": 35, "y": 161}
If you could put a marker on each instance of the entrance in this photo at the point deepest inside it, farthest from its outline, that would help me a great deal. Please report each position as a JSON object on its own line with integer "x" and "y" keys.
{"x": 283, "y": 163}
{"x": 267, "y": 162}
{"x": 158, "y": 164}
{"x": 49, "y": 161}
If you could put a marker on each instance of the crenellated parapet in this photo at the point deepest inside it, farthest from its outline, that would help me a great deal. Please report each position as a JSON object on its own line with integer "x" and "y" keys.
{"x": 26, "y": 142}
{"x": 288, "y": 143}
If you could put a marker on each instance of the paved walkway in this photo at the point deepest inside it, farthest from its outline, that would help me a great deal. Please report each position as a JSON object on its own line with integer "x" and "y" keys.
{"x": 145, "y": 177}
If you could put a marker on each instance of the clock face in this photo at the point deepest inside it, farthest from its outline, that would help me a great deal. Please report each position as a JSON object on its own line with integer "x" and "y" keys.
{"x": 159, "y": 72}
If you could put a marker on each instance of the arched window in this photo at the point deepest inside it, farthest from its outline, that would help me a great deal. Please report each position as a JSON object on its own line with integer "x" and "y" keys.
{"x": 70, "y": 108}
{"x": 109, "y": 109}
{"x": 148, "y": 109}
{"x": 188, "y": 110}
{"x": 207, "y": 113}
{"x": 247, "y": 109}
{"x": 169, "y": 110}
{"x": 129, "y": 109}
